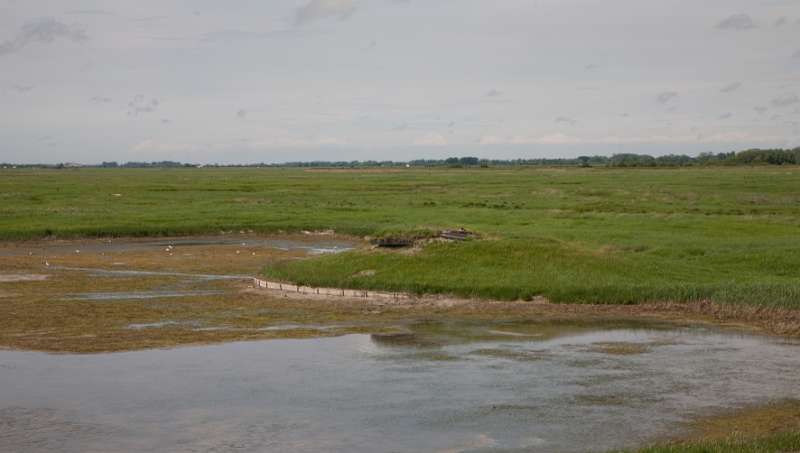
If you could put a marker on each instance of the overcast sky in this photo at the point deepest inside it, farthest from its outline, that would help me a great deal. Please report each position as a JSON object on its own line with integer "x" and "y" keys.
{"x": 277, "y": 80}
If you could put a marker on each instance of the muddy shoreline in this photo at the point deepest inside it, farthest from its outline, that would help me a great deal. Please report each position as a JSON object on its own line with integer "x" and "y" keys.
{"x": 81, "y": 296}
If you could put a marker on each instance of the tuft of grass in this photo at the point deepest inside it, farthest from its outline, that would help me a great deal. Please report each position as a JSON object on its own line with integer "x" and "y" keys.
{"x": 776, "y": 443}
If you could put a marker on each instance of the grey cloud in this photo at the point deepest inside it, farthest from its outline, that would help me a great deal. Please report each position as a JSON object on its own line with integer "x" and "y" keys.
{"x": 796, "y": 55}
{"x": 725, "y": 116}
{"x": 785, "y": 100}
{"x": 233, "y": 35}
{"x": 90, "y": 12}
{"x": 731, "y": 88}
{"x": 323, "y": 9}
{"x": 22, "y": 88}
{"x": 737, "y": 22}
{"x": 493, "y": 93}
{"x": 566, "y": 120}
{"x": 148, "y": 18}
{"x": 761, "y": 109}
{"x": 783, "y": 20}
{"x": 44, "y": 30}
{"x": 166, "y": 121}
{"x": 176, "y": 38}
{"x": 666, "y": 97}
{"x": 241, "y": 114}
{"x": 140, "y": 104}
{"x": 591, "y": 67}
{"x": 100, "y": 99}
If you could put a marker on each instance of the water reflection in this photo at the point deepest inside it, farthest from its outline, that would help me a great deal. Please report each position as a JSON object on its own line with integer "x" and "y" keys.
{"x": 433, "y": 387}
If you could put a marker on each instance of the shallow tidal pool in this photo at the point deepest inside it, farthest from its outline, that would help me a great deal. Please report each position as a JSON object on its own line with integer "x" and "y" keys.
{"x": 434, "y": 387}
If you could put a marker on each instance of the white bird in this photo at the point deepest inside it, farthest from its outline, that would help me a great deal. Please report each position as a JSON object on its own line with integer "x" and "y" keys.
{"x": 77, "y": 251}
{"x": 47, "y": 263}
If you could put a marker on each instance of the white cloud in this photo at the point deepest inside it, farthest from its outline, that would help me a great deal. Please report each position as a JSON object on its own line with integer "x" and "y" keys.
{"x": 431, "y": 139}
{"x": 558, "y": 139}
{"x": 150, "y": 145}
{"x": 677, "y": 139}
{"x": 549, "y": 139}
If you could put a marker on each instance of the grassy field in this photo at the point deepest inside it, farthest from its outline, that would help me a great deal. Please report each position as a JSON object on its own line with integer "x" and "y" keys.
{"x": 572, "y": 235}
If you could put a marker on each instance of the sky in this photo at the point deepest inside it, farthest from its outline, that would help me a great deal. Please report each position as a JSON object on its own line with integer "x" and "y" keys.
{"x": 286, "y": 80}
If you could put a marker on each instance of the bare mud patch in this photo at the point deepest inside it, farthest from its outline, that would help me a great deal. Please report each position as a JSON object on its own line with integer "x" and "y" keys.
{"x": 511, "y": 354}
{"x": 619, "y": 348}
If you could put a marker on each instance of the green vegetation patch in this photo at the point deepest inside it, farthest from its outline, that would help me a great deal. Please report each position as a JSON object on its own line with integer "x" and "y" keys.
{"x": 777, "y": 443}
{"x": 586, "y": 235}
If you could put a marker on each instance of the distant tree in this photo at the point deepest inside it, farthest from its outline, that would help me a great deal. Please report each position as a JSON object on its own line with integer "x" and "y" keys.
{"x": 632, "y": 160}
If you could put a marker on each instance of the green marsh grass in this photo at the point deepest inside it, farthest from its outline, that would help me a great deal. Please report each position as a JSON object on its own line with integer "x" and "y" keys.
{"x": 586, "y": 235}
{"x": 776, "y": 443}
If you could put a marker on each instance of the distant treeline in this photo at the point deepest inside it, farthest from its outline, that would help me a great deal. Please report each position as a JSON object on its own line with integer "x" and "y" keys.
{"x": 747, "y": 157}
{"x": 159, "y": 164}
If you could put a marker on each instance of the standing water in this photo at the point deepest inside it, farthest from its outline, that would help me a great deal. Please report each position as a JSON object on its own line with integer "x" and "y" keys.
{"x": 517, "y": 387}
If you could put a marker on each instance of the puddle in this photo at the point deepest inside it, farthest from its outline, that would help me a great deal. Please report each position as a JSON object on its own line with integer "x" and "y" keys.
{"x": 316, "y": 246}
{"x": 158, "y": 325}
{"x": 433, "y": 388}
{"x": 172, "y": 291}
{"x": 10, "y": 278}
{"x": 137, "y": 295}
{"x": 289, "y": 327}
{"x": 134, "y": 273}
